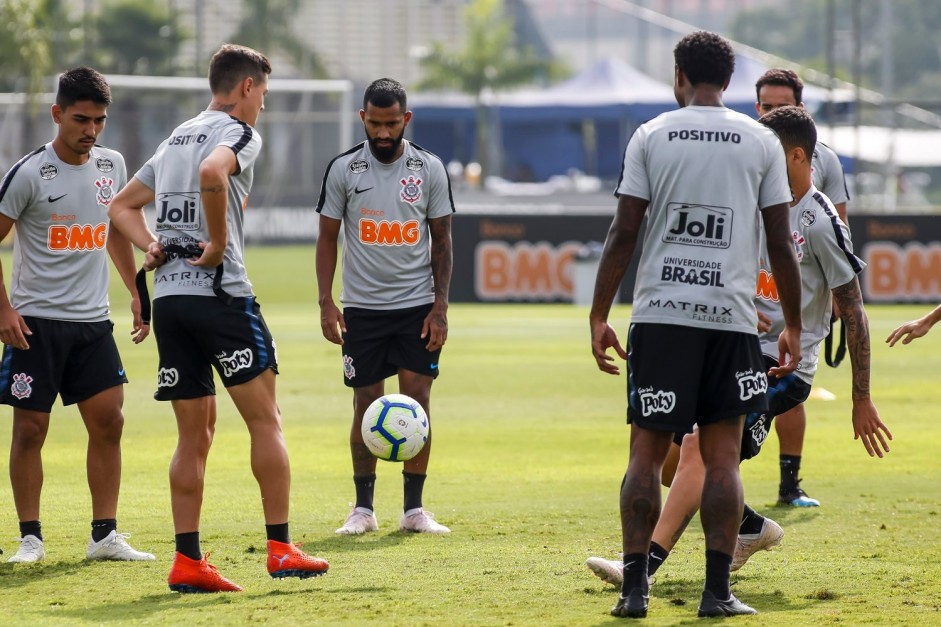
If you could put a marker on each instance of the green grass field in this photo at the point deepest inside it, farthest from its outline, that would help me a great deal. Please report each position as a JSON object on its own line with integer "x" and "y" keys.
{"x": 530, "y": 447}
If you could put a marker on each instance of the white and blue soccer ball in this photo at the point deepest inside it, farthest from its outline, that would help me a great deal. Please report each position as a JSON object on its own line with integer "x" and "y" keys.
{"x": 395, "y": 427}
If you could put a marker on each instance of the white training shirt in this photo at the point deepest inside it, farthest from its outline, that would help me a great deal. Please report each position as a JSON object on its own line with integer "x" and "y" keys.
{"x": 385, "y": 208}
{"x": 825, "y": 253}
{"x": 707, "y": 171}
{"x": 60, "y": 260}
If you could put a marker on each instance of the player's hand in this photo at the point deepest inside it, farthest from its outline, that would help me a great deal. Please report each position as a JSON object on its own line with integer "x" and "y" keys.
{"x": 604, "y": 337}
{"x": 140, "y": 331}
{"x": 868, "y": 426}
{"x": 435, "y": 328}
{"x": 13, "y": 329}
{"x": 789, "y": 352}
{"x": 212, "y": 256}
{"x": 154, "y": 256}
{"x": 331, "y": 322}
{"x": 909, "y": 331}
{"x": 764, "y": 323}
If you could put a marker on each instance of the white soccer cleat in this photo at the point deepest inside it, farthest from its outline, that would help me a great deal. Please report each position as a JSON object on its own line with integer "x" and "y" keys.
{"x": 31, "y": 550}
{"x": 114, "y": 546}
{"x": 359, "y": 521}
{"x": 608, "y": 571}
{"x": 419, "y": 521}
{"x": 747, "y": 545}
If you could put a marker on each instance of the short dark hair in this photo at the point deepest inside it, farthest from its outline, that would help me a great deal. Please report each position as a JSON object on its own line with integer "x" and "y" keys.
{"x": 783, "y": 78}
{"x": 385, "y": 92}
{"x": 231, "y": 64}
{"x": 82, "y": 83}
{"x": 795, "y": 128}
{"x": 705, "y": 57}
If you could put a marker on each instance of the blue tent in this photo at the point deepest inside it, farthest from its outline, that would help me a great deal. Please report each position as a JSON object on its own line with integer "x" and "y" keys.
{"x": 583, "y": 123}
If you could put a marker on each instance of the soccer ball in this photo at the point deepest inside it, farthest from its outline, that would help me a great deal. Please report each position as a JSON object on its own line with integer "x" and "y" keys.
{"x": 395, "y": 427}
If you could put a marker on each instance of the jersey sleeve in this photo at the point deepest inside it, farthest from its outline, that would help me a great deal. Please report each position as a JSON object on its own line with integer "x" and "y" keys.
{"x": 245, "y": 142}
{"x": 120, "y": 170}
{"x": 833, "y": 249}
{"x": 333, "y": 192}
{"x": 147, "y": 175}
{"x": 634, "y": 180}
{"x": 440, "y": 201}
{"x": 832, "y": 181}
{"x": 16, "y": 193}
{"x": 774, "y": 189}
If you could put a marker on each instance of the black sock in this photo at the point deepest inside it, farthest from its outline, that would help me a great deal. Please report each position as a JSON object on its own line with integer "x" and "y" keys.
{"x": 790, "y": 468}
{"x": 655, "y": 558}
{"x": 102, "y": 527}
{"x": 31, "y": 528}
{"x": 278, "y": 533}
{"x": 188, "y": 545}
{"x": 365, "y": 488}
{"x": 752, "y": 522}
{"x": 413, "y": 484}
{"x": 635, "y": 573}
{"x": 718, "y": 567}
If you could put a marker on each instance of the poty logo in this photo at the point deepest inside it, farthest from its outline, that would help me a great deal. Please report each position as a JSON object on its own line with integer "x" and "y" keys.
{"x": 63, "y": 237}
{"x": 657, "y": 402}
{"x": 239, "y": 360}
{"x": 167, "y": 377}
{"x": 21, "y": 385}
{"x": 698, "y": 225}
{"x": 178, "y": 211}
{"x": 759, "y": 430}
{"x": 388, "y": 233}
{"x": 751, "y": 384}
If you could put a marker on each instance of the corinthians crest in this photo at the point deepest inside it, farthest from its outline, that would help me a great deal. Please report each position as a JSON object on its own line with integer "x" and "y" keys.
{"x": 411, "y": 190}
{"x": 105, "y": 191}
{"x": 21, "y": 385}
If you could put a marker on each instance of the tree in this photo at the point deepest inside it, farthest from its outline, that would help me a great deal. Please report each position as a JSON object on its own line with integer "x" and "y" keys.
{"x": 24, "y": 46}
{"x": 490, "y": 59}
{"x": 136, "y": 37}
{"x": 267, "y": 26}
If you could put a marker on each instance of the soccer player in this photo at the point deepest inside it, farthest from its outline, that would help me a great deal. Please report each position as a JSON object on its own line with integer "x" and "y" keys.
{"x": 778, "y": 88}
{"x": 205, "y": 313}
{"x": 55, "y": 326}
{"x": 828, "y": 272}
{"x": 916, "y": 328}
{"x": 701, "y": 173}
{"x": 393, "y": 199}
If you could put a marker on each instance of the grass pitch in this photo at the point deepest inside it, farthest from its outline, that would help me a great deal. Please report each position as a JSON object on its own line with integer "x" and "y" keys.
{"x": 530, "y": 446}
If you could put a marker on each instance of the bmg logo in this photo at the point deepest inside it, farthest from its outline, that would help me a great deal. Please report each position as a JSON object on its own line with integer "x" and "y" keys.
{"x": 698, "y": 225}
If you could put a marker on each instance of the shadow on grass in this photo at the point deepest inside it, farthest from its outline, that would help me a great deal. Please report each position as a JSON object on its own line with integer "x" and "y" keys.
{"x": 786, "y": 515}
{"x": 13, "y": 575}
{"x": 356, "y": 544}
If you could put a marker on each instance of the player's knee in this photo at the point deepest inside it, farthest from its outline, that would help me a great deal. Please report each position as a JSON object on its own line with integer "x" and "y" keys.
{"x": 29, "y": 432}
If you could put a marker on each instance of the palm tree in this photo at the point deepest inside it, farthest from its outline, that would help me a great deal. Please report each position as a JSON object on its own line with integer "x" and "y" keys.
{"x": 490, "y": 59}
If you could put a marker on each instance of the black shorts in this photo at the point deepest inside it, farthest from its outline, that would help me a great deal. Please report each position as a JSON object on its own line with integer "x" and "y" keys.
{"x": 680, "y": 375}
{"x": 196, "y": 333}
{"x": 73, "y": 359}
{"x": 378, "y": 343}
{"x": 784, "y": 394}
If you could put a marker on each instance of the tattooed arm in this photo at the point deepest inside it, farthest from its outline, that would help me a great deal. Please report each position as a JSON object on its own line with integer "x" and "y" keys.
{"x": 866, "y": 422}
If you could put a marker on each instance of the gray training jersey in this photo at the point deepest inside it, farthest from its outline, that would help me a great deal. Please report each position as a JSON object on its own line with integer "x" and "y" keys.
{"x": 706, "y": 172}
{"x": 825, "y": 253}
{"x": 173, "y": 174}
{"x": 385, "y": 208}
{"x": 828, "y": 174}
{"x": 60, "y": 263}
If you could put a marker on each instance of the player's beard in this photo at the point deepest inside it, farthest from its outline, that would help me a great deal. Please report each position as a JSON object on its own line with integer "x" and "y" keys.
{"x": 386, "y": 153}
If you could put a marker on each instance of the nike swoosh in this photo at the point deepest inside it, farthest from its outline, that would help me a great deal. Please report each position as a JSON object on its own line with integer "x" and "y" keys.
{"x": 433, "y": 366}
{"x": 360, "y": 191}
{"x": 121, "y": 372}
{"x": 51, "y": 199}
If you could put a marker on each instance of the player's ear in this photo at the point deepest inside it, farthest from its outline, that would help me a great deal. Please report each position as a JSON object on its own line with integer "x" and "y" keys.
{"x": 408, "y": 117}
{"x": 56, "y": 112}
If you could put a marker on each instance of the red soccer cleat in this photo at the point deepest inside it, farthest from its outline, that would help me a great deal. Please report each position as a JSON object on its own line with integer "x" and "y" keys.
{"x": 286, "y": 560}
{"x": 189, "y": 575}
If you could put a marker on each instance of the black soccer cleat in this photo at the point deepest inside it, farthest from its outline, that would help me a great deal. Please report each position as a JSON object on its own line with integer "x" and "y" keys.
{"x": 634, "y": 605}
{"x": 711, "y": 607}
{"x": 795, "y": 496}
